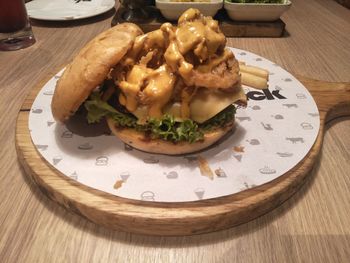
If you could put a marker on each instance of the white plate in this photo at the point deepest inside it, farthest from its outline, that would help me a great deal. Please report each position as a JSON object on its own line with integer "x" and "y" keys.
{"x": 256, "y": 12}
{"x": 272, "y": 135}
{"x": 59, "y": 10}
{"x": 173, "y": 10}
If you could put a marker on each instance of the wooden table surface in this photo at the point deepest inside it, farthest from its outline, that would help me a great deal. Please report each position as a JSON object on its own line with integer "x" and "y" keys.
{"x": 312, "y": 226}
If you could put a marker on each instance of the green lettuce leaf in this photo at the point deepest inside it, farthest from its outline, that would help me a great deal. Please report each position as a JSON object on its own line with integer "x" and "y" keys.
{"x": 98, "y": 109}
{"x": 257, "y": 1}
{"x": 169, "y": 129}
{"x": 165, "y": 128}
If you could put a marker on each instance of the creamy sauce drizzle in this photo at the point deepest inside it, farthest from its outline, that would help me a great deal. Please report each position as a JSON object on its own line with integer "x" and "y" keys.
{"x": 196, "y": 43}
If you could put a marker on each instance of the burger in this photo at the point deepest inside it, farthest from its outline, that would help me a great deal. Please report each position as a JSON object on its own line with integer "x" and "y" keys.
{"x": 171, "y": 91}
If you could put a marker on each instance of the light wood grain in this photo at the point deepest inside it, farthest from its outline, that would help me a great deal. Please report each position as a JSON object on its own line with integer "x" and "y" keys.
{"x": 312, "y": 226}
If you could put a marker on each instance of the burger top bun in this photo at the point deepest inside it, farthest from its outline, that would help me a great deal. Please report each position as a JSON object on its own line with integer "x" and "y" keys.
{"x": 90, "y": 67}
{"x": 139, "y": 141}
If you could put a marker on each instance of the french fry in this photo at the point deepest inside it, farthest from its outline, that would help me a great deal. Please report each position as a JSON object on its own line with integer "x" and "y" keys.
{"x": 254, "y": 71}
{"x": 253, "y": 81}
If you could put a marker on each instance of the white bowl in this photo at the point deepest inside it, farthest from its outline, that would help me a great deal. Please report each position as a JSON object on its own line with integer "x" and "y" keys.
{"x": 173, "y": 10}
{"x": 256, "y": 12}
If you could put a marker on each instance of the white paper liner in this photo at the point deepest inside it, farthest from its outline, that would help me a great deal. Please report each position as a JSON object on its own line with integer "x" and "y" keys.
{"x": 272, "y": 135}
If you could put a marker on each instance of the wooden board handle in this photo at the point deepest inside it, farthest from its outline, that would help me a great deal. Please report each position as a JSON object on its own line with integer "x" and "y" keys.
{"x": 332, "y": 98}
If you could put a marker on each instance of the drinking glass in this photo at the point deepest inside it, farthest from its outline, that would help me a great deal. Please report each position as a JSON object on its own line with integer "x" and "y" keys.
{"x": 15, "y": 29}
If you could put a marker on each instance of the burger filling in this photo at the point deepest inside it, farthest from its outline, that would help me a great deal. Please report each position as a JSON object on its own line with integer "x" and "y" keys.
{"x": 176, "y": 83}
{"x": 166, "y": 127}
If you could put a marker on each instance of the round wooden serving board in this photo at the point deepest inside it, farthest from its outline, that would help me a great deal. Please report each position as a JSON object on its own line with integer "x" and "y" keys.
{"x": 170, "y": 219}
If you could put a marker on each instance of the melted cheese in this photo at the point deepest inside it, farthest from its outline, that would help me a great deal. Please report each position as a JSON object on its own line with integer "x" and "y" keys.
{"x": 186, "y": 97}
{"x": 155, "y": 39}
{"x": 148, "y": 87}
{"x": 196, "y": 33}
{"x": 174, "y": 109}
{"x": 206, "y": 104}
{"x": 147, "y": 91}
{"x": 215, "y": 61}
{"x": 203, "y": 106}
{"x": 141, "y": 113}
{"x": 131, "y": 57}
{"x": 132, "y": 85}
{"x": 147, "y": 42}
{"x": 199, "y": 33}
{"x": 159, "y": 90}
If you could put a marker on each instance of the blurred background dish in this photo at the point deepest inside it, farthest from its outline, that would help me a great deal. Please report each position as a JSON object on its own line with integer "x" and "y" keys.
{"x": 239, "y": 11}
{"x": 59, "y": 10}
{"x": 136, "y": 11}
{"x": 172, "y": 9}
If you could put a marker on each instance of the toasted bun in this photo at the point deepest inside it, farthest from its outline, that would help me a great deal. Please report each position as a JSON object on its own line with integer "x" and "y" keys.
{"x": 139, "y": 141}
{"x": 90, "y": 67}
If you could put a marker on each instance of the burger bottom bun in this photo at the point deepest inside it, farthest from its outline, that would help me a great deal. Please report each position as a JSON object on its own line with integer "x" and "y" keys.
{"x": 139, "y": 141}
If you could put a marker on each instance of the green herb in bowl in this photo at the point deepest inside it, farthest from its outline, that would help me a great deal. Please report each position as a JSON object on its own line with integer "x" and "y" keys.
{"x": 257, "y": 1}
